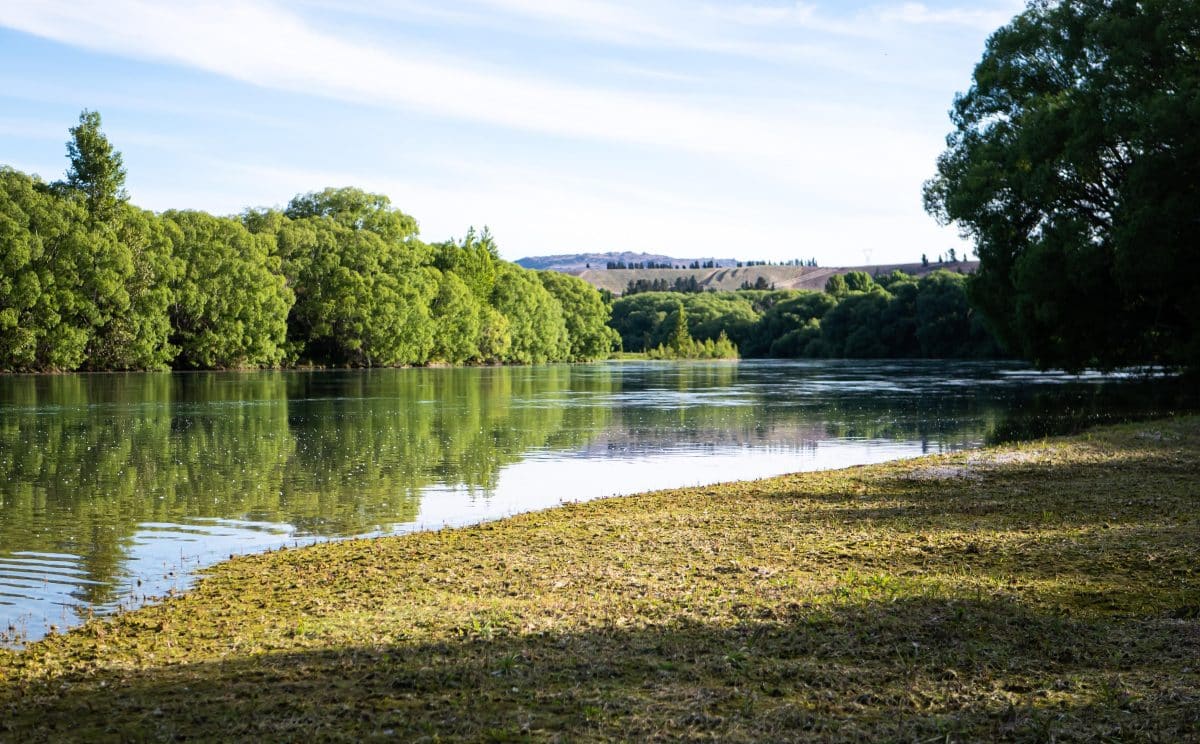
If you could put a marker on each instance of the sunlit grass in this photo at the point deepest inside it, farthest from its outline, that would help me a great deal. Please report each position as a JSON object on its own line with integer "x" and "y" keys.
{"x": 1040, "y": 591}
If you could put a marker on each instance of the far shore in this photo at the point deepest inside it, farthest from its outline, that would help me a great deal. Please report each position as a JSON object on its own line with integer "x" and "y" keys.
{"x": 1036, "y": 591}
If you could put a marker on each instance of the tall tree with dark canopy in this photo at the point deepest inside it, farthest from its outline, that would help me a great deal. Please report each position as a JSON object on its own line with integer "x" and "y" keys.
{"x": 1074, "y": 165}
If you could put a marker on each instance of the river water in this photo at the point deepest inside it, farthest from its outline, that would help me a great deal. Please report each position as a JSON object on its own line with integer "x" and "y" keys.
{"x": 118, "y": 488}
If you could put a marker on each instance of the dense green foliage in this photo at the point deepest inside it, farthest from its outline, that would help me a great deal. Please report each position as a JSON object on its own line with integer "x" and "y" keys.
{"x": 896, "y": 316}
{"x": 84, "y": 276}
{"x": 679, "y": 343}
{"x": 74, "y": 295}
{"x": 585, "y": 315}
{"x": 1074, "y": 164}
{"x": 363, "y": 296}
{"x": 339, "y": 276}
{"x": 230, "y": 304}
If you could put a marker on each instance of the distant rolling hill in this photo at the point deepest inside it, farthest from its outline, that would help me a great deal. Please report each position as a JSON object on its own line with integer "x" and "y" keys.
{"x": 575, "y": 263}
{"x": 782, "y": 277}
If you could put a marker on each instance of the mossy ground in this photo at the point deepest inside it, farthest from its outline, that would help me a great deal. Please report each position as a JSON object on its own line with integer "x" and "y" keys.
{"x": 1045, "y": 591}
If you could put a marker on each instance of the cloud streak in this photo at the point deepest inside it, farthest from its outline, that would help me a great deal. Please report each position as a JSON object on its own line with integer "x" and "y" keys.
{"x": 745, "y": 140}
{"x": 983, "y": 19}
{"x": 265, "y": 45}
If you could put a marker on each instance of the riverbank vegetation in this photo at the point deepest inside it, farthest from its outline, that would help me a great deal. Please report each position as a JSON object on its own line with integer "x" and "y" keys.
{"x": 341, "y": 278}
{"x": 338, "y": 277}
{"x": 1031, "y": 592}
{"x": 857, "y": 316}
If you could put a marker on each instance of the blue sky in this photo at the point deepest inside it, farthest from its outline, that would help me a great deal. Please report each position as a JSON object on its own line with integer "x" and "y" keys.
{"x": 755, "y": 129}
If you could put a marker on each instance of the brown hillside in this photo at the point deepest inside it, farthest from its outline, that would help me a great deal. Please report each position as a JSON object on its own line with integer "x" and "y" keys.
{"x": 783, "y": 277}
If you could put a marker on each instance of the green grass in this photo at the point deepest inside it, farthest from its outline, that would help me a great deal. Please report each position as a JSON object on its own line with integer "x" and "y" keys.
{"x": 1046, "y": 591}
{"x": 629, "y": 356}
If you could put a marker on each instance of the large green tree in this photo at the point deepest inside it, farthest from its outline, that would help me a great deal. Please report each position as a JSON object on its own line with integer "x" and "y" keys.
{"x": 360, "y": 298}
{"x": 946, "y": 326}
{"x": 709, "y": 314}
{"x": 85, "y": 277}
{"x": 640, "y": 319}
{"x": 854, "y": 329}
{"x": 1074, "y": 165}
{"x": 46, "y": 313}
{"x": 789, "y": 327}
{"x": 134, "y": 331}
{"x": 535, "y": 318}
{"x": 585, "y": 314}
{"x": 230, "y": 303}
{"x": 458, "y": 319}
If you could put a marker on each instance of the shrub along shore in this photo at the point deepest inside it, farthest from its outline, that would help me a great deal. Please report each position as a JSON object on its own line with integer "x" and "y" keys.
{"x": 1039, "y": 591}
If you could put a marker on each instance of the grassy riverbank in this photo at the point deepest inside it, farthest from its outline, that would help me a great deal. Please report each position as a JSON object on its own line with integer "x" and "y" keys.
{"x": 1046, "y": 590}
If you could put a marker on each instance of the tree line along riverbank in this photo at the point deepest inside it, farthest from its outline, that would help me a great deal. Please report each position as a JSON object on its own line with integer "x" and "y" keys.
{"x": 340, "y": 277}
{"x": 1046, "y": 590}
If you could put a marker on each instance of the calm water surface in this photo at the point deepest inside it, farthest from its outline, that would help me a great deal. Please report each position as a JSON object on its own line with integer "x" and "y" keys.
{"x": 115, "y": 489}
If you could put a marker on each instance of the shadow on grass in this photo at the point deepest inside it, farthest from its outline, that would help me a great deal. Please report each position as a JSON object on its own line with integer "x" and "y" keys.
{"x": 910, "y": 669}
{"x": 984, "y": 494}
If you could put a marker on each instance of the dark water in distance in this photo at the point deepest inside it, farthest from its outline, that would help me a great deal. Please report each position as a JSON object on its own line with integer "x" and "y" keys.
{"x": 116, "y": 488}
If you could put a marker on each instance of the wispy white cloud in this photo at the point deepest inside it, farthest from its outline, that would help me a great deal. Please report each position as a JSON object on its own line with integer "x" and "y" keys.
{"x": 735, "y": 27}
{"x": 782, "y": 33}
{"x": 647, "y": 25}
{"x": 266, "y": 45}
{"x": 985, "y": 19}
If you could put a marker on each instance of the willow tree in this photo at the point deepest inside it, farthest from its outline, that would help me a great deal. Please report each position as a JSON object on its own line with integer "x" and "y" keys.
{"x": 457, "y": 321}
{"x": 230, "y": 303}
{"x": 361, "y": 275}
{"x": 361, "y": 299}
{"x": 535, "y": 319}
{"x": 585, "y": 314}
{"x": 46, "y": 313}
{"x": 135, "y": 331}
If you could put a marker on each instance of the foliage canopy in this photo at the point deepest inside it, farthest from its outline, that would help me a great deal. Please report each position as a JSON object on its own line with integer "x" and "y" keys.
{"x": 1074, "y": 165}
{"x": 338, "y": 277}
